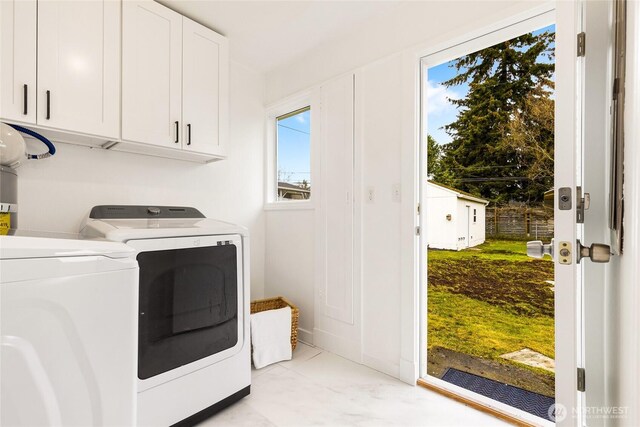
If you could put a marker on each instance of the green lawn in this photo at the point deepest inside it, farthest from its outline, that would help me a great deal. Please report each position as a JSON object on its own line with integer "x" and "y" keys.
{"x": 510, "y": 250}
{"x": 490, "y": 300}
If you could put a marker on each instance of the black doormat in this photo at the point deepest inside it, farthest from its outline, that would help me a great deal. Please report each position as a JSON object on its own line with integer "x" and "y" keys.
{"x": 533, "y": 403}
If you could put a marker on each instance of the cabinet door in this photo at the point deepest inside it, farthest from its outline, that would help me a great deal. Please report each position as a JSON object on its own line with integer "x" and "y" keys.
{"x": 151, "y": 73}
{"x": 337, "y": 200}
{"x": 18, "y": 60}
{"x": 205, "y": 79}
{"x": 79, "y": 66}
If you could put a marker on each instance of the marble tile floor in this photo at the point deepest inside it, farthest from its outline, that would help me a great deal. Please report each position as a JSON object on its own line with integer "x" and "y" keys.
{"x": 318, "y": 388}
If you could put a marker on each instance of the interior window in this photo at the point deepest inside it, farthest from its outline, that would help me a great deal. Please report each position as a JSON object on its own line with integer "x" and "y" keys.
{"x": 293, "y": 148}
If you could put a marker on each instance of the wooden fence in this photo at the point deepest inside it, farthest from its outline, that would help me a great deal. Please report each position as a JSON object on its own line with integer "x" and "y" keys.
{"x": 519, "y": 222}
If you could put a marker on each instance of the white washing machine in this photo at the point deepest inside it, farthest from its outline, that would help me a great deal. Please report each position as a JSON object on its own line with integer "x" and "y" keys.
{"x": 68, "y": 320}
{"x": 193, "y": 311}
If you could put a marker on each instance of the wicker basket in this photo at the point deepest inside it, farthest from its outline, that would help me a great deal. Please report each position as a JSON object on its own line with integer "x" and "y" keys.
{"x": 274, "y": 304}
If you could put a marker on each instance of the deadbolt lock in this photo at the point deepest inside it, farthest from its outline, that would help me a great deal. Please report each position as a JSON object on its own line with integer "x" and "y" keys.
{"x": 564, "y": 198}
{"x": 564, "y": 253}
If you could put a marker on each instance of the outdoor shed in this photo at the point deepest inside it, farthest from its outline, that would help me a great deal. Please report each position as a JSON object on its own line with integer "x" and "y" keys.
{"x": 455, "y": 219}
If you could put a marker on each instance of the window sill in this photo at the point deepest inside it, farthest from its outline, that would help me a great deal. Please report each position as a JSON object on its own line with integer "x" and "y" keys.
{"x": 289, "y": 206}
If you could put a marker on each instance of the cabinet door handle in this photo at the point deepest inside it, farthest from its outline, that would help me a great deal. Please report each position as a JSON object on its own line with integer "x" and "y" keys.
{"x": 177, "y": 124}
{"x": 25, "y": 108}
{"x": 189, "y": 134}
{"x": 48, "y": 105}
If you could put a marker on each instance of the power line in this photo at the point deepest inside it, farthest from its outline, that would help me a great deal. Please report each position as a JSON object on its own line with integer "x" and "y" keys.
{"x": 486, "y": 167}
{"x": 294, "y": 129}
{"x": 503, "y": 178}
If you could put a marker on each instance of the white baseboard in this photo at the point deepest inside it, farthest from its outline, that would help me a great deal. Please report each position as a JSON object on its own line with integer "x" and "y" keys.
{"x": 337, "y": 345}
{"x": 305, "y": 336}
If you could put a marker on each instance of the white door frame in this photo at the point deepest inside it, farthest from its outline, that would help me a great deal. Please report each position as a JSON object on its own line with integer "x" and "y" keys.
{"x": 567, "y": 17}
{"x": 568, "y": 284}
{"x": 596, "y": 130}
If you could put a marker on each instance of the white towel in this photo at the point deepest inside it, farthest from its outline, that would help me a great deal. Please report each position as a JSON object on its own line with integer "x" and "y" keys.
{"x": 271, "y": 336}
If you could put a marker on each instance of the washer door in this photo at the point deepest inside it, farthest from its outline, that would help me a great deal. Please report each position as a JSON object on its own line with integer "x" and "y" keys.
{"x": 190, "y": 303}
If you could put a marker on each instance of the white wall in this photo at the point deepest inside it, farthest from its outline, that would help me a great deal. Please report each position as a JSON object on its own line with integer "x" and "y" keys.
{"x": 622, "y": 296}
{"x": 381, "y": 130}
{"x": 55, "y": 194}
{"x": 385, "y": 92}
{"x": 289, "y": 262}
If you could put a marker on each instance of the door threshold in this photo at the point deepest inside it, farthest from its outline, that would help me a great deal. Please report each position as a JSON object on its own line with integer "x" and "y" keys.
{"x": 478, "y": 404}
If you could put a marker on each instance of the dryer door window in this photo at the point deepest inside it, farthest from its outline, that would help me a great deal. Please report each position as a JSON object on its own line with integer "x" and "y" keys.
{"x": 188, "y": 306}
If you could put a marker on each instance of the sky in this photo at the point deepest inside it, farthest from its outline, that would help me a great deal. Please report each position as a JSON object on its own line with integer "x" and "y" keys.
{"x": 294, "y": 156}
{"x": 440, "y": 111}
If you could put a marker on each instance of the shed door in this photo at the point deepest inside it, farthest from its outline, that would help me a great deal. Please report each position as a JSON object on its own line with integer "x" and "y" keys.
{"x": 467, "y": 240}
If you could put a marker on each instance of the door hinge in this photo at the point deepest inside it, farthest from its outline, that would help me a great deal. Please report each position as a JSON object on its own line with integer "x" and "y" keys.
{"x": 418, "y": 208}
{"x": 417, "y": 231}
{"x": 581, "y": 379}
{"x": 582, "y": 42}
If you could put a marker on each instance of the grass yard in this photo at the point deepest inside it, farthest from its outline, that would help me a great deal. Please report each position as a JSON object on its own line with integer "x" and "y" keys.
{"x": 490, "y": 300}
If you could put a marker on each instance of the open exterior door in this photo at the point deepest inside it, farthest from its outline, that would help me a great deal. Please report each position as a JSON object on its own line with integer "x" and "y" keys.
{"x": 585, "y": 81}
{"x": 567, "y": 280}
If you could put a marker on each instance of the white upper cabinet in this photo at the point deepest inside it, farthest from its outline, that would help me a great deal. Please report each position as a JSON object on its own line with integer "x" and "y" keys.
{"x": 18, "y": 60}
{"x": 174, "y": 84}
{"x": 151, "y": 74}
{"x": 128, "y": 75}
{"x": 205, "y": 83}
{"x": 79, "y": 66}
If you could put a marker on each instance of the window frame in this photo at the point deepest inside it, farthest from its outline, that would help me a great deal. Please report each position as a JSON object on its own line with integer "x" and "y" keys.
{"x": 290, "y": 105}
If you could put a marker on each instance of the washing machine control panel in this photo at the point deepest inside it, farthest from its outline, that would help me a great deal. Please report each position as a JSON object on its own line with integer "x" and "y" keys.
{"x": 141, "y": 212}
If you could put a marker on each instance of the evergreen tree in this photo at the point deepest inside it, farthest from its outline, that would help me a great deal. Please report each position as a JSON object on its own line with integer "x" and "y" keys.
{"x": 435, "y": 169}
{"x": 434, "y": 153}
{"x": 501, "y": 79}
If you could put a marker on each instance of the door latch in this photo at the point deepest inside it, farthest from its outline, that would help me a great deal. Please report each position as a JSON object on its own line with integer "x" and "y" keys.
{"x": 582, "y": 204}
{"x": 597, "y": 252}
{"x": 537, "y": 249}
{"x": 564, "y": 252}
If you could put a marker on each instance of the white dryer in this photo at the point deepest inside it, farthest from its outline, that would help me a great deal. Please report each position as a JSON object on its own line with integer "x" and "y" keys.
{"x": 193, "y": 309}
{"x": 68, "y": 320}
